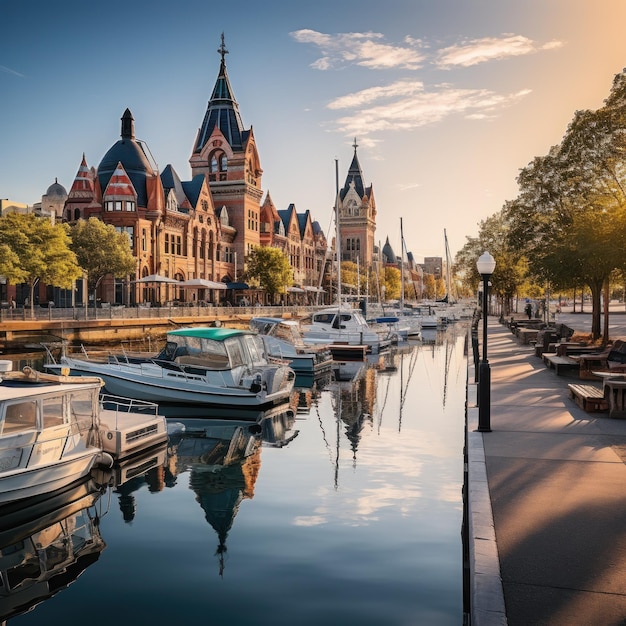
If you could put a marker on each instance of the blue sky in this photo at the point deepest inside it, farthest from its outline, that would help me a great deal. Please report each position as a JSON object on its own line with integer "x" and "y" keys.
{"x": 447, "y": 99}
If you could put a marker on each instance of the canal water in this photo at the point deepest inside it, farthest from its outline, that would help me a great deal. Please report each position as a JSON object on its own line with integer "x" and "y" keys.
{"x": 343, "y": 507}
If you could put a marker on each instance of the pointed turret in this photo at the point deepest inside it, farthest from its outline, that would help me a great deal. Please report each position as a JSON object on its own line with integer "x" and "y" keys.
{"x": 222, "y": 111}
{"x": 354, "y": 176}
{"x": 82, "y": 187}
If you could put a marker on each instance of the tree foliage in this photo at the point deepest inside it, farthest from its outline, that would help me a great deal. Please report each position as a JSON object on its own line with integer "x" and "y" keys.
{"x": 33, "y": 249}
{"x": 271, "y": 267}
{"x": 570, "y": 215}
{"x": 101, "y": 251}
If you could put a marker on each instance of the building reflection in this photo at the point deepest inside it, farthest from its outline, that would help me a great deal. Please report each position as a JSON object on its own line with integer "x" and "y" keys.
{"x": 223, "y": 459}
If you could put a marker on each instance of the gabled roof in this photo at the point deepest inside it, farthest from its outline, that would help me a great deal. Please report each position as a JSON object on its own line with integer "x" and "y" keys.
{"x": 285, "y": 216}
{"x": 303, "y": 218}
{"x": 120, "y": 184}
{"x": 171, "y": 180}
{"x": 193, "y": 188}
{"x": 223, "y": 112}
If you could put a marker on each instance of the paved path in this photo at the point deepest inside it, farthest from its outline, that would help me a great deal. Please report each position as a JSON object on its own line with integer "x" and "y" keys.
{"x": 547, "y": 496}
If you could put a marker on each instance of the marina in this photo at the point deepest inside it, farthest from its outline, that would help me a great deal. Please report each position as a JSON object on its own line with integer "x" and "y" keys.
{"x": 341, "y": 505}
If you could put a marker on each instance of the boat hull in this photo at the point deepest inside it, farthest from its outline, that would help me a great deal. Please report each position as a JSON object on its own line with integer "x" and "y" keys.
{"x": 133, "y": 381}
{"x": 34, "y": 481}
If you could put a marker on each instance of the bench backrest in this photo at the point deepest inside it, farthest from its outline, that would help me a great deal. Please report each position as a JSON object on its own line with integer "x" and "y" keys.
{"x": 618, "y": 352}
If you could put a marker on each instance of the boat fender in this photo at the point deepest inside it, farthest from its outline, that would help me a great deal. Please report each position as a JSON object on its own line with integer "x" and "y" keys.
{"x": 104, "y": 459}
{"x": 257, "y": 384}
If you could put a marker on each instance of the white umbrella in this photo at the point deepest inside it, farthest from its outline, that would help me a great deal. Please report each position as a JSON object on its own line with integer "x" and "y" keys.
{"x": 157, "y": 278}
{"x": 201, "y": 283}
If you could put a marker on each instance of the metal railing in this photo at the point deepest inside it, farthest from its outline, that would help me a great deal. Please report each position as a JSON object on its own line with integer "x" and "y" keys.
{"x": 39, "y": 313}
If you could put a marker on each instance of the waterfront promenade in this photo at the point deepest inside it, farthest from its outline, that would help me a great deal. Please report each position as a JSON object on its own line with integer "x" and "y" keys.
{"x": 547, "y": 495}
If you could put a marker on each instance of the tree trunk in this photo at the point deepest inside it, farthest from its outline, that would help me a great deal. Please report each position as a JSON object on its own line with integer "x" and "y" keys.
{"x": 607, "y": 295}
{"x": 596, "y": 290}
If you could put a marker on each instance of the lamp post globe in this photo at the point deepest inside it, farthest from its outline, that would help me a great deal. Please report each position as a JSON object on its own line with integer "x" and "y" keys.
{"x": 485, "y": 265}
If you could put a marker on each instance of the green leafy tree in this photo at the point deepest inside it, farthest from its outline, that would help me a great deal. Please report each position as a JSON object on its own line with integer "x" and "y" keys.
{"x": 511, "y": 265}
{"x": 101, "y": 251}
{"x": 271, "y": 267}
{"x": 39, "y": 251}
{"x": 570, "y": 216}
{"x": 10, "y": 266}
{"x": 391, "y": 281}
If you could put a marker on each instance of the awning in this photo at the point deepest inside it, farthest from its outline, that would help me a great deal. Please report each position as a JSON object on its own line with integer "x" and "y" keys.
{"x": 313, "y": 289}
{"x": 201, "y": 283}
{"x": 295, "y": 290}
{"x": 236, "y": 286}
{"x": 157, "y": 278}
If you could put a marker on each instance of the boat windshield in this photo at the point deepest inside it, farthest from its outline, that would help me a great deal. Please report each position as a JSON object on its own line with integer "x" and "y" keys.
{"x": 256, "y": 348}
{"x": 201, "y": 352}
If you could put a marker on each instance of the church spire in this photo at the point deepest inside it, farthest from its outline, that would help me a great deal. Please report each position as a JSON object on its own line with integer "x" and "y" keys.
{"x": 354, "y": 176}
{"x": 222, "y": 110}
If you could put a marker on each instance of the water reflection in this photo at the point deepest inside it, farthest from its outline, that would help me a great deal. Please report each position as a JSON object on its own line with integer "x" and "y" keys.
{"x": 45, "y": 544}
{"x": 360, "y": 493}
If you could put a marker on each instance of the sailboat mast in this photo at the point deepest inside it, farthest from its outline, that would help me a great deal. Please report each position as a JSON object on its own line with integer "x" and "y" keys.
{"x": 401, "y": 267}
{"x": 445, "y": 237}
{"x": 337, "y": 231}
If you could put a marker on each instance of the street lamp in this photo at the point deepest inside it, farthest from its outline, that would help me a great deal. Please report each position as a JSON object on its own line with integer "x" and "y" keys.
{"x": 485, "y": 265}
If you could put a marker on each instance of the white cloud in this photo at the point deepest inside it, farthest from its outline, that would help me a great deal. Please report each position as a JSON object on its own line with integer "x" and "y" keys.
{"x": 490, "y": 49}
{"x": 364, "y": 49}
{"x": 406, "y": 106}
{"x": 8, "y": 70}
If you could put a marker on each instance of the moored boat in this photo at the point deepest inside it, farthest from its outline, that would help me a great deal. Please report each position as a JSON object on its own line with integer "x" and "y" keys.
{"x": 343, "y": 325}
{"x": 283, "y": 340}
{"x": 48, "y": 433}
{"x": 197, "y": 366}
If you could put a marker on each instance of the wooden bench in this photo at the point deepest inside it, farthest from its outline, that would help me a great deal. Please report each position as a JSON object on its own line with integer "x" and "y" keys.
{"x": 611, "y": 359}
{"x": 588, "y": 397}
{"x": 559, "y": 363}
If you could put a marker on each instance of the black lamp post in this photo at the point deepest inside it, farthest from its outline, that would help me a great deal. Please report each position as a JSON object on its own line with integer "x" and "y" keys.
{"x": 485, "y": 265}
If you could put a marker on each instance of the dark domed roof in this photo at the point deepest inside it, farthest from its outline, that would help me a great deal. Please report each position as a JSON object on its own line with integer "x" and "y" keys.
{"x": 130, "y": 153}
{"x": 56, "y": 189}
{"x": 388, "y": 253}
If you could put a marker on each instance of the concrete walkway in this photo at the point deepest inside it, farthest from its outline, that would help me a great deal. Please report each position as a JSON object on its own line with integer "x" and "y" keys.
{"x": 546, "y": 496}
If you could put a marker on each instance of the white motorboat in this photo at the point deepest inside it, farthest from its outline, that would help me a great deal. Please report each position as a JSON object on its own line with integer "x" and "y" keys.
{"x": 283, "y": 340}
{"x": 198, "y": 366}
{"x": 49, "y": 434}
{"x": 343, "y": 325}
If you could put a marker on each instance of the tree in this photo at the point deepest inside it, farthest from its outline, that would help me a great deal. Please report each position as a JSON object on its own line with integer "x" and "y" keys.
{"x": 272, "y": 269}
{"x": 101, "y": 251}
{"x": 39, "y": 251}
{"x": 391, "y": 282}
{"x": 511, "y": 265}
{"x": 571, "y": 213}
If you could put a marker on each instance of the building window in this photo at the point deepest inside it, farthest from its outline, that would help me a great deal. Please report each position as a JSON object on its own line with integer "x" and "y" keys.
{"x": 144, "y": 240}
{"x": 108, "y": 205}
{"x": 167, "y": 243}
{"x": 118, "y": 205}
{"x": 130, "y": 205}
{"x": 179, "y": 246}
